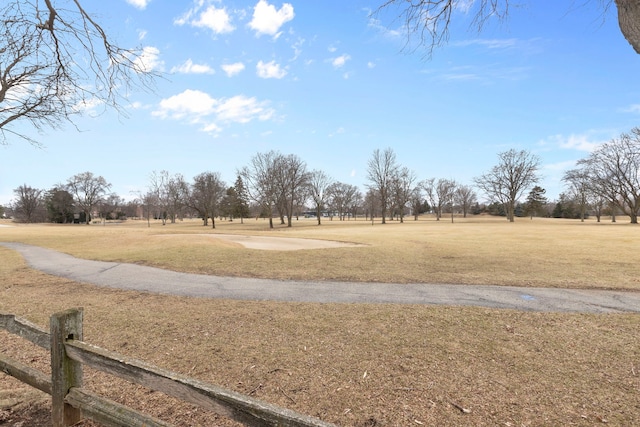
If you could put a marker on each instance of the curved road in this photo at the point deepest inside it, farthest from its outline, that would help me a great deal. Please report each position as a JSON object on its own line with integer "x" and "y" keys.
{"x": 148, "y": 279}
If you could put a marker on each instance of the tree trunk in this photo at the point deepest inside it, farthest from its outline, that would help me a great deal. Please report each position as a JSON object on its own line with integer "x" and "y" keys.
{"x": 629, "y": 21}
{"x": 511, "y": 209}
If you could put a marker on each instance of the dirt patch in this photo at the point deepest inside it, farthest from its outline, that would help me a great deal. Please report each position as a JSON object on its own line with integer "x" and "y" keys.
{"x": 280, "y": 243}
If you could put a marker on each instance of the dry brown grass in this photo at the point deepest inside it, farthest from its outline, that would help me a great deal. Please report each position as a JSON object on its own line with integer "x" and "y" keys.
{"x": 549, "y": 253}
{"x": 356, "y": 365}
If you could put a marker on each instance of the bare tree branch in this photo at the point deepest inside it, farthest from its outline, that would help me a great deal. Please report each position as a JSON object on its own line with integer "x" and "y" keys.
{"x": 427, "y": 23}
{"x": 56, "y": 61}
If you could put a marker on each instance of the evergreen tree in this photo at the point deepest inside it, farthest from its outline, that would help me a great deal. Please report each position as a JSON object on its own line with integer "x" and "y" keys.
{"x": 60, "y": 208}
{"x": 535, "y": 201}
{"x": 240, "y": 201}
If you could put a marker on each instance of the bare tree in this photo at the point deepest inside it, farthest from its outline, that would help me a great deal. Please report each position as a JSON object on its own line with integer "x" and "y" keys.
{"x": 381, "y": 168}
{"x": 402, "y": 189}
{"x": 341, "y": 198}
{"x": 290, "y": 177}
{"x": 88, "y": 191}
{"x": 439, "y": 193}
{"x": 429, "y": 187}
{"x": 506, "y": 182}
{"x": 416, "y": 201}
{"x": 602, "y": 184}
{"x": 259, "y": 178}
{"x": 465, "y": 197}
{"x": 371, "y": 205}
{"x": 318, "y": 184}
{"x": 615, "y": 169}
{"x": 112, "y": 207}
{"x": 177, "y": 192}
{"x": 55, "y": 60}
{"x": 28, "y": 205}
{"x": 445, "y": 191}
{"x": 207, "y": 192}
{"x": 428, "y": 21}
{"x": 170, "y": 195}
{"x": 158, "y": 187}
{"x": 355, "y": 202}
{"x": 580, "y": 188}
{"x": 149, "y": 203}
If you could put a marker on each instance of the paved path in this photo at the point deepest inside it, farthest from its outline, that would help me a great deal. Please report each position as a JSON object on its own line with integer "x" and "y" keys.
{"x": 148, "y": 279}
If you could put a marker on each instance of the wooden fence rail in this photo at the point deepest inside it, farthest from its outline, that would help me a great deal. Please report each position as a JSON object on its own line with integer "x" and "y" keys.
{"x": 71, "y": 403}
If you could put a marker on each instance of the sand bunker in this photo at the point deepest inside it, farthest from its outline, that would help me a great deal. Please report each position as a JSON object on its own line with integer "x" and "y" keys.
{"x": 281, "y": 243}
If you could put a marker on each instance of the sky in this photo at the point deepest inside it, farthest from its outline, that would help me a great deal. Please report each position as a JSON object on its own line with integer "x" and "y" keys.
{"x": 326, "y": 81}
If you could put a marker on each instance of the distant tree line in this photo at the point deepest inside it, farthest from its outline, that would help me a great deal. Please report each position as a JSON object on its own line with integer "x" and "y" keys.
{"x": 278, "y": 186}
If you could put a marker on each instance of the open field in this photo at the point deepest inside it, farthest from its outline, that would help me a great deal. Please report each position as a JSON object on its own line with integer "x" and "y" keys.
{"x": 355, "y": 365}
{"x": 547, "y": 253}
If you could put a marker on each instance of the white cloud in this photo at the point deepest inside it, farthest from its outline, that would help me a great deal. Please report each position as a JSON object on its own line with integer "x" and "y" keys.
{"x": 190, "y": 68}
{"x": 460, "y": 76}
{"x": 140, "y": 4}
{"x": 297, "y": 48}
{"x": 217, "y": 20}
{"x": 142, "y": 34}
{"x": 340, "y": 61}
{"x": 241, "y": 109}
{"x": 267, "y": 20}
{"x": 197, "y": 107}
{"x": 488, "y": 43}
{"x": 377, "y": 25}
{"x": 371, "y": 64}
{"x": 573, "y": 142}
{"x": 338, "y": 131}
{"x": 212, "y": 128}
{"x": 633, "y": 108}
{"x": 192, "y": 104}
{"x": 88, "y": 107}
{"x": 149, "y": 60}
{"x": 233, "y": 69}
{"x": 270, "y": 70}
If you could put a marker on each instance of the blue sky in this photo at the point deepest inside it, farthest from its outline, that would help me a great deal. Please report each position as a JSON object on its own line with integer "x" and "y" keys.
{"x": 325, "y": 81}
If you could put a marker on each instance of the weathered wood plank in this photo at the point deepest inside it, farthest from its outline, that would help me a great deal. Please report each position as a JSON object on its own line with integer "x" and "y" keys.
{"x": 228, "y": 403}
{"x": 65, "y": 372}
{"x": 25, "y": 329}
{"x": 25, "y": 373}
{"x": 109, "y": 413}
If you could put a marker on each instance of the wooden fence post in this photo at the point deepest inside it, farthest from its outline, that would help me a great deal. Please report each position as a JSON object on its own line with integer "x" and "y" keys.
{"x": 65, "y": 373}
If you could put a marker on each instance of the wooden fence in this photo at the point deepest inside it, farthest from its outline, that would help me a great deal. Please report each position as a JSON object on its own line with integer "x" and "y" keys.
{"x": 71, "y": 403}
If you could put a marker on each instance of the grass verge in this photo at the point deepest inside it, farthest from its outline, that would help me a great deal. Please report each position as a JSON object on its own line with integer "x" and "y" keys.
{"x": 354, "y": 365}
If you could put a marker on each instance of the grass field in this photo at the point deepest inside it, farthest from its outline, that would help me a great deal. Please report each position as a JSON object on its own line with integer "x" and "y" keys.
{"x": 542, "y": 252}
{"x": 355, "y": 365}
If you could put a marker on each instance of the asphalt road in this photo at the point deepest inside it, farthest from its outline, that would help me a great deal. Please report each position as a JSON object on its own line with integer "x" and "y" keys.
{"x": 148, "y": 279}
